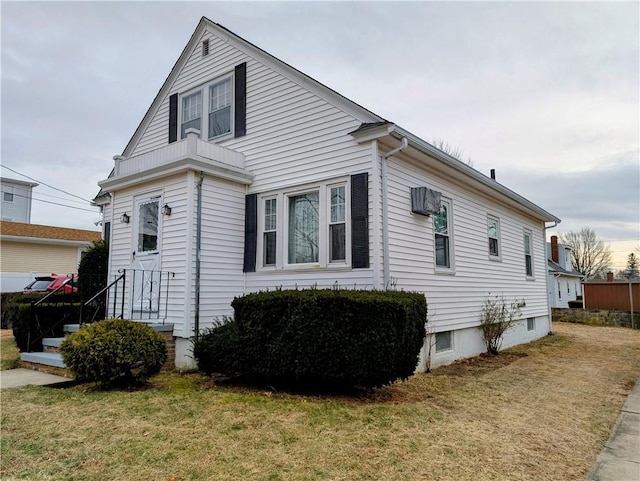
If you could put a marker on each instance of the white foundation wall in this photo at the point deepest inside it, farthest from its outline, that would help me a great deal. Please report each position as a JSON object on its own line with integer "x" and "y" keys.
{"x": 468, "y": 342}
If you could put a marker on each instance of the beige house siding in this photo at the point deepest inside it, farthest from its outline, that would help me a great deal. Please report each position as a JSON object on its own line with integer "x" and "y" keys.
{"x": 31, "y": 257}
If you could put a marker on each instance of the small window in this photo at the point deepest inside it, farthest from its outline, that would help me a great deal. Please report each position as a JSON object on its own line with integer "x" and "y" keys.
{"x": 493, "y": 233}
{"x": 559, "y": 291}
{"x": 148, "y": 226}
{"x": 191, "y": 112}
{"x": 528, "y": 260}
{"x": 442, "y": 236}
{"x": 269, "y": 235}
{"x": 107, "y": 232}
{"x": 304, "y": 234}
{"x": 531, "y": 323}
{"x": 444, "y": 341}
{"x": 7, "y": 194}
{"x": 568, "y": 289}
{"x": 205, "y": 47}
{"x": 220, "y": 95}
{"x": 337, "y": 225}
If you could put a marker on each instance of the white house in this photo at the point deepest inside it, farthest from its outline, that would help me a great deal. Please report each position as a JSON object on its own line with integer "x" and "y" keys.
{"x": 245, "y": 174}
{"x": 16, "y": 199}
{"x": 564, "y": 281}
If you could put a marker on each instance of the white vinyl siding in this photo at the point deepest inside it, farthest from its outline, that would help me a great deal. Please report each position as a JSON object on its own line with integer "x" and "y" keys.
{"x": 455, "y": 301}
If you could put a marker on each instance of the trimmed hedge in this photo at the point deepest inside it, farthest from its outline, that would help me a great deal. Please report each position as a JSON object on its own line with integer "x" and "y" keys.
{"x": 114, "y": 352}
{"x": 48, "y": 320}
{"x": 319, "y": 337}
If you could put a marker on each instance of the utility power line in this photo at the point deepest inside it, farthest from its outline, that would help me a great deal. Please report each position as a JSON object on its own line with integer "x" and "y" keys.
{"x": 44, "y": 183}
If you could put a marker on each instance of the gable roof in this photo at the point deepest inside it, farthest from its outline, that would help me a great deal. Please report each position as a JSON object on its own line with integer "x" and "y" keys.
{"x": 19, "y": 229}
{"x": 328, "y": 94}
{"x": 371, "y": 123}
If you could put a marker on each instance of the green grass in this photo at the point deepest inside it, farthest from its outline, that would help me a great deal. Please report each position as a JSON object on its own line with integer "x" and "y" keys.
{"x": 9, "y": 354}
{"x": 538, "y": 412}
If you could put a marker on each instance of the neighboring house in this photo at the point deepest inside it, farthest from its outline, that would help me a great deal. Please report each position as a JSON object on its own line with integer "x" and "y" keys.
{"x": 564, "y": 281}
{"x": 16, "y": 200}
{"x": 30, "y": 250}
{"x": 245, "y": 175}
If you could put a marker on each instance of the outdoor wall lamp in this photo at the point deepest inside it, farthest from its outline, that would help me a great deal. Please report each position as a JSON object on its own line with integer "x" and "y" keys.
{"x": 124, "y": 218}
{"x": 166, "y": 210}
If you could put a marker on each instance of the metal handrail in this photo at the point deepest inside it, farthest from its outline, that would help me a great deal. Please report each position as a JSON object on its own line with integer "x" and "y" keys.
{"x": 104, "y": 289}
{"x": 40, "y": 301}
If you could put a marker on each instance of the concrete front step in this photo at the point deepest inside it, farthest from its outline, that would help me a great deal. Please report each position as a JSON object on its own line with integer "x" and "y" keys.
{"x": 46, "y": 358}
{"x": 48, "y": 362}
{"x": 52, "y": 344}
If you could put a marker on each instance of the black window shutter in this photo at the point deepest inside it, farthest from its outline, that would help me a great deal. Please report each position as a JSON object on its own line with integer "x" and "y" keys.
{"x": 360, "y": 220}
{"x": 173, "y": 118}
{"x": 240, "y": 114}
{"x": 250, "y": 232}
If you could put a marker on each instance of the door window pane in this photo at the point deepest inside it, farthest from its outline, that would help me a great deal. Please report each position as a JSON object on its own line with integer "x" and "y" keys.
{"x": 148, "y": 226}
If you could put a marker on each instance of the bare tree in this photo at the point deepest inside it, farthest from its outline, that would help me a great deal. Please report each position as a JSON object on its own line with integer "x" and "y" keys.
{"x": 453, "y": 151}
{"x": 590, "y": 256}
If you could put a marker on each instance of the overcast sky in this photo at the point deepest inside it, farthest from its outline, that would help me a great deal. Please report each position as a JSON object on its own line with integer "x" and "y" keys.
{"x": 545, "y": 93}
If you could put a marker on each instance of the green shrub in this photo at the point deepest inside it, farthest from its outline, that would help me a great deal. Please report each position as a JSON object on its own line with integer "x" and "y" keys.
{"x": 30, "y": 325}
{"x": 217, "y": 349}
{"x": 324, "y": 337}
{"x": 114, "y": 352}
{"x": 93, "y": 270}
{"x": 6, "y": 299}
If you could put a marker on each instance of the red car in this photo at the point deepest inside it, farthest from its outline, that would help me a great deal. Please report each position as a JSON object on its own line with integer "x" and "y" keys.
{"x": 50, "y": 283}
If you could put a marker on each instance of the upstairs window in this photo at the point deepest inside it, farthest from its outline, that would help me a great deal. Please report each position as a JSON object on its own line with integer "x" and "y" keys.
{"x": 442, "y": 236}
{"x": 493, "y": 233}
{"x": 220, "y": 96}
{"x": 191, "y": 112}
{"x": 528, "y": 259}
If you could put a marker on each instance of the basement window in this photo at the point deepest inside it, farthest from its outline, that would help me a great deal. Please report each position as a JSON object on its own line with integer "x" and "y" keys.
{"x": 444, "y": 341}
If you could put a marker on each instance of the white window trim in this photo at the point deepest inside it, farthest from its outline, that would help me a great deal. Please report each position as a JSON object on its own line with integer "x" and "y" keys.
{"x": 533, "y": 267}
{"x": 492, "y": 257}
{"x": 282, "y": 227}
{"x": 204, "y": 89}
{"x": 452, "y": 266}
{"x": 260, "y": 244}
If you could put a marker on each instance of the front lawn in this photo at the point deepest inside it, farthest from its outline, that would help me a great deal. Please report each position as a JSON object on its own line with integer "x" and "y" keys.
{"x": 537, "y": 412}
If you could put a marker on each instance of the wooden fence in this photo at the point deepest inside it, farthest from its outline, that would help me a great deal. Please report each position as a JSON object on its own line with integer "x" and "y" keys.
{"x": 611, "y": 295}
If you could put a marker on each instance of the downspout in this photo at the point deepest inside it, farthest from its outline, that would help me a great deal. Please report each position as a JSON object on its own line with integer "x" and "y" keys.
{"x": 385, "y": 211}
{"x": 546, "y": 271}
{"x": 198, "y": 244}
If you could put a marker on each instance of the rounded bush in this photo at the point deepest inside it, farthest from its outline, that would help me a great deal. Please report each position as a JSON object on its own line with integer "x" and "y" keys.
{"x": 114, "y": 352}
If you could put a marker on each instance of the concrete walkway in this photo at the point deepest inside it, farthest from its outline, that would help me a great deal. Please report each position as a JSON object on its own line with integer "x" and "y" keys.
{"x": 620, "y": 457}
{"x": 26, "y": 377}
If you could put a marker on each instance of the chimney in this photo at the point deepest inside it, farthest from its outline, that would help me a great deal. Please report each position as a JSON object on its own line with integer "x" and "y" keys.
{"x": 609, "y": 276}
{"x": 493, "y": 174}
{"x": 554, "y": 249}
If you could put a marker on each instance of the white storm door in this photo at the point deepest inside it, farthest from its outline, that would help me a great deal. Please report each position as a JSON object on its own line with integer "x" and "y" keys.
{"x": 145, "y": 268}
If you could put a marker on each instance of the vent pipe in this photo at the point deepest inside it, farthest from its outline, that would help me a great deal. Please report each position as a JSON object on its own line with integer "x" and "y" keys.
{"x": 493, "y": 174}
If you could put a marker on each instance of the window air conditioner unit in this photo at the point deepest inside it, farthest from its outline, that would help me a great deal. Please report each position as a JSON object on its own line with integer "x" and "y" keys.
{"x": 425, "y": 201}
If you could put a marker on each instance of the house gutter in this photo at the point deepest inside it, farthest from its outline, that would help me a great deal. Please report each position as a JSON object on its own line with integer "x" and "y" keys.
{"x": 198, "y": 245}
{"x": 385, "y": 211}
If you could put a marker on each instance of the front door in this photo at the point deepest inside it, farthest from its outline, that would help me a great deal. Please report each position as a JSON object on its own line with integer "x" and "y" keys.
{"x": 145, "y": 268}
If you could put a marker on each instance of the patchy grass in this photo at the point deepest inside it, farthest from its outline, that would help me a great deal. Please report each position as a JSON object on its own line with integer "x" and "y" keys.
{"x": 9, "y": 353}
{"x": 537, "y": 412}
